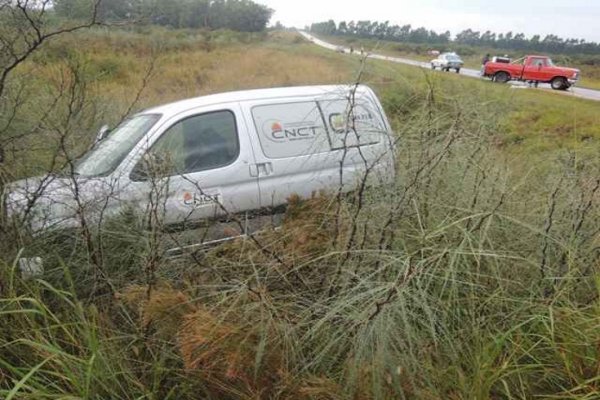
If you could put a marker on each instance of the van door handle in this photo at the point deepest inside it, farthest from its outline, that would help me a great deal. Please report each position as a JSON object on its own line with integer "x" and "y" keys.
{"x": 261, "y": 169}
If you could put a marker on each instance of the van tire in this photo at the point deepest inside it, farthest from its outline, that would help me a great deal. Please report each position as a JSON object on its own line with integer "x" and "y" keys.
{"x": 559, "y": 83}
{"x": 458, "y": 70}
{"x": 501, "y": 77}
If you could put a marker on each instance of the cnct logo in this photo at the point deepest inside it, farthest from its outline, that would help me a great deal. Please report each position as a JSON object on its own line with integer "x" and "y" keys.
{"x": 197, "y": 200}
{"x": 279, "y": 132}
{"x": 338, "y": 123}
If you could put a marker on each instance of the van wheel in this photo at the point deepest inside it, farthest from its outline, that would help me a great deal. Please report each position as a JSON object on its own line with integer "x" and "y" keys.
{"x": 559, "y": 84}
{"x": 501, "y": 77}
{"x": 458, "y": 70}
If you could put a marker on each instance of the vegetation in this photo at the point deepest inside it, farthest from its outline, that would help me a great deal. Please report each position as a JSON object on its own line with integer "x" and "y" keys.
{"x": 474, "y": 276}
{"x": 240, "y": 15}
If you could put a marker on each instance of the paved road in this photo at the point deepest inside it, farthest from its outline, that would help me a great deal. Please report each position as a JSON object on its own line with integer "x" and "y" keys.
{"x": 588, "y": 94}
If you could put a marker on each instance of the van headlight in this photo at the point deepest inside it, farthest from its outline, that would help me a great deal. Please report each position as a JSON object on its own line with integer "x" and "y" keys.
{"x": 18, "y": 206}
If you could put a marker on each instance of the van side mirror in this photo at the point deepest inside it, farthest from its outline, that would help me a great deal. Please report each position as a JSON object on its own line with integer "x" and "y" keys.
{"x": 102, "y": 133}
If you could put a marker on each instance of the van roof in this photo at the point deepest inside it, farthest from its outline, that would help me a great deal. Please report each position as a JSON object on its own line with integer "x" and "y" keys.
{"x": 256, "y": 94}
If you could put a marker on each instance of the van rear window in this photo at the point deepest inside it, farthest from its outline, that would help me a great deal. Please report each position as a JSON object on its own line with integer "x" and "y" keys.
{"x": 351, "y": 125}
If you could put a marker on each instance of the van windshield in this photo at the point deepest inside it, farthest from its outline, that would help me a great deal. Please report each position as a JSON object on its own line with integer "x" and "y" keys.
{"x": 107, "y": 154}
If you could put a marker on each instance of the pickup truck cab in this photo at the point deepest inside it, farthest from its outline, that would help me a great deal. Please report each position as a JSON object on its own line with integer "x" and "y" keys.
{"x": 219, "y": 154}
{"x": 539, "y": 69}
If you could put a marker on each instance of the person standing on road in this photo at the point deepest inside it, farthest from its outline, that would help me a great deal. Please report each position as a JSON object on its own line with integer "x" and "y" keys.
{"x": 485, "y": 60}
{"x": 535, "y": 84}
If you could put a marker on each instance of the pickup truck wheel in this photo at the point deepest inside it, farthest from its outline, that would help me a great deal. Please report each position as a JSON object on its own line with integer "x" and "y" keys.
{"x": 501, "y": 77}
{"x": 559, "y": 84}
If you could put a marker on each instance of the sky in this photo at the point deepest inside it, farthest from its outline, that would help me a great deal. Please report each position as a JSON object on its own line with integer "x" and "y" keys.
{"x": 565, "y": 18}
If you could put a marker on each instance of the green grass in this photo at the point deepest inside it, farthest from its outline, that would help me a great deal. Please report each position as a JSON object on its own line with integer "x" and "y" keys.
{"x": 473, "y": 276}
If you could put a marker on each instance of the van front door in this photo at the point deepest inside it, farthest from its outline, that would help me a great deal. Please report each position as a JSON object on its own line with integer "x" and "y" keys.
{"x": 198, "y": 168}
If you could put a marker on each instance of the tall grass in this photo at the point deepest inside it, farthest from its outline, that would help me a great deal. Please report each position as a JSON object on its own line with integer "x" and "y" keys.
{"x": 473, "y": 276}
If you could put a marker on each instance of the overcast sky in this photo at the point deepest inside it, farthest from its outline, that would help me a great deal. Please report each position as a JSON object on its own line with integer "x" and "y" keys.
{"x": 565, "y": 18}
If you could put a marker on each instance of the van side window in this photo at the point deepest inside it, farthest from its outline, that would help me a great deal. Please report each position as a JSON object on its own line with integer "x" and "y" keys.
{"x": 290, "y": 129}
{"x": 196, "y": 143}
{"x": 357, "y": 124}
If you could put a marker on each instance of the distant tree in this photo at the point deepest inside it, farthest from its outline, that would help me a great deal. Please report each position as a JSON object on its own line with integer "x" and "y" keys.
{"x": 107, "y": 10}
{"x": 240, "y": 15}
{"x": 326, "y": 28}
{"x": 351, "y": 28}
{"x": 469, "y": 37}
{"x": 445, "y": 37}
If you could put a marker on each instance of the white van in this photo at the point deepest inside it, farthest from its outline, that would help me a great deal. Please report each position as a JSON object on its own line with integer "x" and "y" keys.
{"x": 225, "y": 153}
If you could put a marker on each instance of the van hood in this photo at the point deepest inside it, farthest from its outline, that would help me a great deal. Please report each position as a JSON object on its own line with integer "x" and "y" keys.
{"x": 52, "y": 201}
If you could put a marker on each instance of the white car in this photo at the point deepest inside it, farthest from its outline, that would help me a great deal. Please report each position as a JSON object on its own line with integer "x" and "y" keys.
{"x": 448, "y": 61}
{"x": 219, "y": 154}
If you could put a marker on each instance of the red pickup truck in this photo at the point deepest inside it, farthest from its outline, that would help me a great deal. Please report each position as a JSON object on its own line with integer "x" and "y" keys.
{"x": 538, "y": 69}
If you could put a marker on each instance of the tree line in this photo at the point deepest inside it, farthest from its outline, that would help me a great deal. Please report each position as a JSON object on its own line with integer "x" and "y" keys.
{"x": 408, "y": 34}
{"x": 239, "y": 15}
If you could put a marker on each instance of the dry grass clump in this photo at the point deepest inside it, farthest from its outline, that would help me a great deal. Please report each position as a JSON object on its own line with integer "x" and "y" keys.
{"x": 161, "y": 308}
{"x": 228, "y": 355}
{"x": 224, "y": 352}
{"x": 311, "y": 228}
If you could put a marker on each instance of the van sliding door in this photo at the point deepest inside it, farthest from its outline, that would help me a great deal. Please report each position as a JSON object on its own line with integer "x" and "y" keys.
{"x": 293, "y": 152}
{"x": 306, "y": 146}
